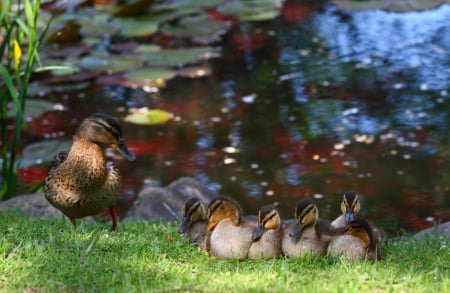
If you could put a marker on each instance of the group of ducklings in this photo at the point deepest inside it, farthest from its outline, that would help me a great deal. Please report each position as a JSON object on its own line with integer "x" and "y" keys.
{"x": 82, "y": 182}
{"x": 222, "y": 231}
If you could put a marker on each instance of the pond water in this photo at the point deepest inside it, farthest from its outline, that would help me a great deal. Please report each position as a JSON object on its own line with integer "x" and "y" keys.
{"x": 314, "y": 106}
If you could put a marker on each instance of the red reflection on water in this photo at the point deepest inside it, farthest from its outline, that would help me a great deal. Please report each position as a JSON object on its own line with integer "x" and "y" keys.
{"x": 251, "y": 42}
{"x": 294, "y": 10}
{"x": 51, "y": 122}
{"x": 417, "y": 222}
{"x": 143, "y": 147}
{"x": 442, "y": 215}
{"x": 418, "y": 198}
{"x": 32, "y": 176}
{"x": 216, "y": 15}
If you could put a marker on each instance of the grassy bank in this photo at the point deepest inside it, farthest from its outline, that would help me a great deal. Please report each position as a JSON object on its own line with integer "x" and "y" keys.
{"x": 48, "y": 256}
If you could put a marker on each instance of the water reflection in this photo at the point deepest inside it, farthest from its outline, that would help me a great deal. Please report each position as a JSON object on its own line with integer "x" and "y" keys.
{"x": 332, "y": 102}
{"x": 363, "y": 105}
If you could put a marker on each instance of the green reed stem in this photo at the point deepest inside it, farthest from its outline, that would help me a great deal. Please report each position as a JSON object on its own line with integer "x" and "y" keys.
{"x": 19, "y": 26}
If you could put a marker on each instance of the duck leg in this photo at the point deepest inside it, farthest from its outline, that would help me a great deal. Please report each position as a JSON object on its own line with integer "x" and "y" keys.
{"x": 113, "y": 213}
{"x": 72, "y": 220}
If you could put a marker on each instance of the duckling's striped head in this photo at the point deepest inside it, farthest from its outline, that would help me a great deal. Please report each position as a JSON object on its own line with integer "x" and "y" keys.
{"x": 194, "y": 210}
{"x": 223, "y": 208}
{"x": 104, "y": 131}
{"x": 268, "y": 219}
{"x": 306, "y": 215}
{"x": 350, "y": 206}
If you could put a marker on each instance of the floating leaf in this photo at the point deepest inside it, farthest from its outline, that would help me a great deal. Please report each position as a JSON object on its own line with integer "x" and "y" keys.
{"x": 69, "y": 87}
{"x": 63, "y": 52}
{"x": 179, "y": 57}
{"x": 169, "y": 11}
{"x": 112, "y": 63}
{"x": 199, "y": 27}
{"x": 149, "y": 117}
{"x": 398, "y": 6}
{"x": 37, "y": 89}
{"x": 180, "y": 4}
{"x": 33, "y": 108}
{"x": 44, "y": 151}
{"x": 150, "y": 76}
{"x": 251, "y": 10}
{"x": 147, "y": 48}
{"x": 65, "y": 70}
{"x": 99, "y": 29}
{"x": 137, "y": 28}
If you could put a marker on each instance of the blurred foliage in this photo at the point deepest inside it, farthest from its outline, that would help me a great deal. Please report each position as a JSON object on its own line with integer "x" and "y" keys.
{"x": 19, "y": 34}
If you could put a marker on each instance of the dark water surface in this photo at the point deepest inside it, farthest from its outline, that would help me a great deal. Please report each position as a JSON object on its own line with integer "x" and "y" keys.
{"x": 331, "y": 102}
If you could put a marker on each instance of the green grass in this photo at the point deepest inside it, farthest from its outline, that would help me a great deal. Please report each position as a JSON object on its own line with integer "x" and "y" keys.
{"x": 49, "y": 256}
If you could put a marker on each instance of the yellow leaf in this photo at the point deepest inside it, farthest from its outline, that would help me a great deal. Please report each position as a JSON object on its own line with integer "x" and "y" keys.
{"x": 17, "y": 55}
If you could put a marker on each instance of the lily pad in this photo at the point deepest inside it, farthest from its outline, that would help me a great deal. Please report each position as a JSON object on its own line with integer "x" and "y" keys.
{"x": 180, "y": 4}
{"x": 149, "y": 117}
{"x": 69, "y": 87}
{"x": 33, "y": 108}
{"x": 150, "y": 76}
{"x": 37, "y": 89}
{"x": 99, "y": 29}
{"x": 397, "y": 6}
{"x": 165, "y": 12}
{"x": 44, "y": 151}
{"x": 112, "y": 63}
{"x": 251, "y": 10}
{"x": 179, "y": 57}
{"x": 147, "y": 48}
{"x": 197, "y": 27}
{"x": 138, "y": 28}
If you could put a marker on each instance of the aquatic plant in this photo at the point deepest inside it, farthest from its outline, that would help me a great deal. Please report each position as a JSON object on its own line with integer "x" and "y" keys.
{"x": 18, "y": 31}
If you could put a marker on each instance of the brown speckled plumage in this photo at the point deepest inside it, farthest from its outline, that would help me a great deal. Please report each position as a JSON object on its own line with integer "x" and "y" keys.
{"x": 81, "y": 182}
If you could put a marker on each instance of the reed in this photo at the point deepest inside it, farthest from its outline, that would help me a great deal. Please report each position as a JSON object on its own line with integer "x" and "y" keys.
{"x": 20, "y": 42}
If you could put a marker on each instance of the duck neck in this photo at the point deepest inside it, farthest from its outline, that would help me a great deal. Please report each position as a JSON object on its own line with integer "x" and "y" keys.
{"x": 89, "y": 157}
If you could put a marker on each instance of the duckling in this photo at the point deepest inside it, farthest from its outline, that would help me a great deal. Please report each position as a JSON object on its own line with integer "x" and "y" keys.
{"x": 356, "y": 242}
{"x": 229, "y": 235}
{"x": 267, "y": 235}
{"x": 308, "y": 234}
{"x": 350, "y": 207}
{"x": 194, "y": 222}
{"x": 81, "y": 182}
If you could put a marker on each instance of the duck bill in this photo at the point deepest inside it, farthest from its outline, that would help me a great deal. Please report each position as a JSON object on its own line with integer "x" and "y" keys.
{"x": 211, "y": 226}
{"x": 258, "y": 232}
{"x": 296, "y": 230}
{"x": 349, "y": 216}
{"x": 124, "y": 151}
{"x": 184, "y": 226}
